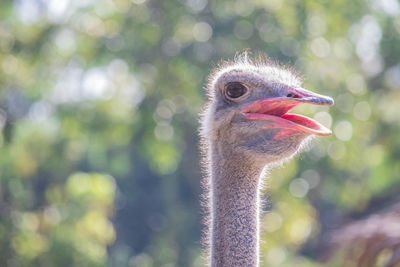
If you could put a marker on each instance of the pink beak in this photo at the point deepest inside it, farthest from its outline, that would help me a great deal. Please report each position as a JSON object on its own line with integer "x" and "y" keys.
{"x": 275, "y": 110}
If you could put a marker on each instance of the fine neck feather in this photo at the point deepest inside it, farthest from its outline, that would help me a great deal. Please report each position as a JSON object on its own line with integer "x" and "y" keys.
{"x": 235, "y": 198}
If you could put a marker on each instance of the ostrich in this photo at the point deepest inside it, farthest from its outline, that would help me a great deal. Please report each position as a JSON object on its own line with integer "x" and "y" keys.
{"x": 245, "y": 127}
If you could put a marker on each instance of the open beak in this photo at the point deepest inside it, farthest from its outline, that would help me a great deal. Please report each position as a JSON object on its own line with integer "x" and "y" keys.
{"x": 274, "y": 110}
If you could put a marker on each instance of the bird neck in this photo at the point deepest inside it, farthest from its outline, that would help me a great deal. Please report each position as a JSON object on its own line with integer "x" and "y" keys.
{"x": 235, "y": 197}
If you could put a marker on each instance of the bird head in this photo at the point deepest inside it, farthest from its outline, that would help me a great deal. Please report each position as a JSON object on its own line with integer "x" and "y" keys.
{"x": 248, "y": 110}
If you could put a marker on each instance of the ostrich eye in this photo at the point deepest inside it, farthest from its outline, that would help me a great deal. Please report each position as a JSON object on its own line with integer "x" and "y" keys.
{"x": 235, "y": 90}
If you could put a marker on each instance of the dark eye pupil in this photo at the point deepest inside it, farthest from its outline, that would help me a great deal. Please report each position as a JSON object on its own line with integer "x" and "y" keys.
{"x": 235, "y": 90}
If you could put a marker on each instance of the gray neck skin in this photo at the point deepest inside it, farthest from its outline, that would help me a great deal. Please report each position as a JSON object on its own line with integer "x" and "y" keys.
{"x": 235, "y": 210}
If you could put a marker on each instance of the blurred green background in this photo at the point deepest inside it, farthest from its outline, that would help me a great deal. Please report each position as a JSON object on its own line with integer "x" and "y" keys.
{"x": 99, "y": 104}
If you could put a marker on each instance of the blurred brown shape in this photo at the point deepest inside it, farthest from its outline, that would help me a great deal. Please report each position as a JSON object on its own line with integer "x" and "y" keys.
{"x": 374, "y": 241}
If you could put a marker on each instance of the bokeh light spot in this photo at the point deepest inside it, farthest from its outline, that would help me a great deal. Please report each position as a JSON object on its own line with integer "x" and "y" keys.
{"x": 202, "y": 31}
{"x": 300, "y": 230}
{"x": 324, "y": 118}
{"x": 320, "y": 47}
{"x": 164, "y": 131}
{"x": 312, "y": 177}
{"x": 356, "y": 84}
{"x": 392, "y": 77}
{"x": 276, "y": 256}
{"x": 299, "y": 187}
{"x": 316, "y": 25}
{"x": 343, "y": 130}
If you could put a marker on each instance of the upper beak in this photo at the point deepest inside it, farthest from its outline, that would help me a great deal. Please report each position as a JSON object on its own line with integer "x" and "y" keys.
{"x": 305, "y": 96}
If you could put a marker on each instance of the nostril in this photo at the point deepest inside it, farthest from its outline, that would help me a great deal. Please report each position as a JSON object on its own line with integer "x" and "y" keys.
{"x": 292, "y": 95}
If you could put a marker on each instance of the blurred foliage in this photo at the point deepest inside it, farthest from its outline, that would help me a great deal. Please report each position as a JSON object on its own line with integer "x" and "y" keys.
{"x": 98, "y": 118}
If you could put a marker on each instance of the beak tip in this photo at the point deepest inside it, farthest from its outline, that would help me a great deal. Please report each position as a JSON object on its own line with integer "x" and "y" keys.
{"x": 330, "y": 101}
